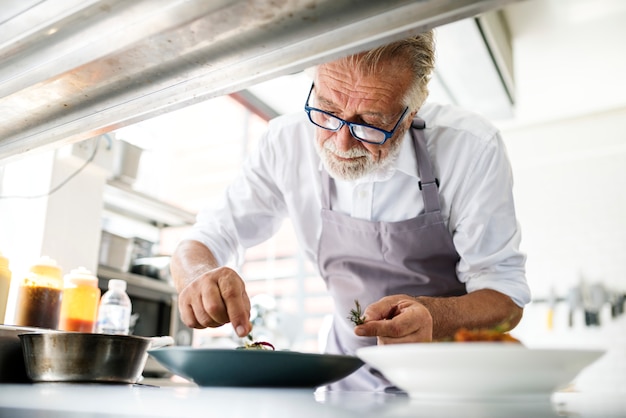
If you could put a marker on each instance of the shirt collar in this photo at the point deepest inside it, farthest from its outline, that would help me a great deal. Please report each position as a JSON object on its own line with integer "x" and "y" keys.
{"x": 407, "y": 161}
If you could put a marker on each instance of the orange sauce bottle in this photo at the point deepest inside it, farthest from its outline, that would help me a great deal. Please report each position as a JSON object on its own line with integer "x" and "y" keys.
{"x": 81, "y": 295}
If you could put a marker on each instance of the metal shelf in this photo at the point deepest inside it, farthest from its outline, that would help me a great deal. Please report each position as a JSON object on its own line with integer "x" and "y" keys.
{"x": 89, "y": 75}
{"x": 142, "y": 286}
{"x": 120, "y": 197}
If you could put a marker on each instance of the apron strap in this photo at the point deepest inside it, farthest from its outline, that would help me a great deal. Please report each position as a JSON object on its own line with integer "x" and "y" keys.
{"x": 429, "y": 184}
{"x": 328, "y": 188}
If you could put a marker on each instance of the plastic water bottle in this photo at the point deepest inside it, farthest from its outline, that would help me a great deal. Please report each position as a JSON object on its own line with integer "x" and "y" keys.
{"x": 115, "y": 308}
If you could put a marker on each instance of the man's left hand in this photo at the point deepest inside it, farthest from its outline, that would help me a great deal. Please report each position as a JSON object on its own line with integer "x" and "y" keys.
{"x": 397, "y": 319}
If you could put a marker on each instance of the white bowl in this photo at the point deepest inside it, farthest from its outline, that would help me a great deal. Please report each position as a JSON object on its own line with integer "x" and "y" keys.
{"x": 476, "y": 369}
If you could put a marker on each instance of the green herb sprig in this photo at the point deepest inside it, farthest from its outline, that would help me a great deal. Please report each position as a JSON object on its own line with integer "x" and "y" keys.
{"x": 356, "y": 314}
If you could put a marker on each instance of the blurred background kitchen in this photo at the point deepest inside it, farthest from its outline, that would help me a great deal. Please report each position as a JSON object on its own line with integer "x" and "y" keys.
{"x": 549, "y": 73}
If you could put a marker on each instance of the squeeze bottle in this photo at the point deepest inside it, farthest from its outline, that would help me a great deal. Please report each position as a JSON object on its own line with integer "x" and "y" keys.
{"x": 5, "y": 284}
{"x": 81, "y": 296}
{"x": 39, "y": 295}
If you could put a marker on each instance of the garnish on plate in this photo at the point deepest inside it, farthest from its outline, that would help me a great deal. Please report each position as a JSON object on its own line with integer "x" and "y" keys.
{"x": 498, "y": 333}
{"x": 484, "y": 334}
{"x": 356, "y": 314}
{"x": 255, "y": 345}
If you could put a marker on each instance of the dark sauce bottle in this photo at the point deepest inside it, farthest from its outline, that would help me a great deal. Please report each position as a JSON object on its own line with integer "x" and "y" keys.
{"x": 39, "y": 296}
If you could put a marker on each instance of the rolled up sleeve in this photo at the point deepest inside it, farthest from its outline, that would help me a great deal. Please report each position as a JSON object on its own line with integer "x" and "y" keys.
{"x": 486, "y": 232}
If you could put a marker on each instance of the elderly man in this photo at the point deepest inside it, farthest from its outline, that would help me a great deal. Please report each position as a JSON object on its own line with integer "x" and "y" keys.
{"x": 405, "y": 206}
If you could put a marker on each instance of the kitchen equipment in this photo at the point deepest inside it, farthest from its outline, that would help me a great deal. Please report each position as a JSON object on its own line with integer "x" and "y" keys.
{"x": 476, "y": 370}
{"x": 575, "y": 306}
{"x": 141, "y": 248}
{"x": 126, "y": 161}
{"x": 115, "y": 251}
{"x": 157, "y": 267}
{"x": 79, "y": 305}
{"x": 85, "y": 357}
{"x": 255, "y": 368}
{"x": 12, "y": 368}
{"x": 39, "y": 295}
{"x": 594, "y": 298}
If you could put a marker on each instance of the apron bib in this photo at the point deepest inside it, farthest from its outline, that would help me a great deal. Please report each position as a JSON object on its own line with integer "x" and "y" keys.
{"x": 366, "y": 260}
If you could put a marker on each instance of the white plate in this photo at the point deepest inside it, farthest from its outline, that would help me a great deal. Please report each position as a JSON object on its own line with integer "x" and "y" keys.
{"x": 476, "y": 370}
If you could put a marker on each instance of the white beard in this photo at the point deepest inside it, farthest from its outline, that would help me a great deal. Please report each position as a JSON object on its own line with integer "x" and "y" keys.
{"x": 363, "y": 162}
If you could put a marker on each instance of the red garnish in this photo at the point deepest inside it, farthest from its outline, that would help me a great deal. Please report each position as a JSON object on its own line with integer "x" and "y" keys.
{"x": 261, "y": 345}
{"x": 256, "y": 345}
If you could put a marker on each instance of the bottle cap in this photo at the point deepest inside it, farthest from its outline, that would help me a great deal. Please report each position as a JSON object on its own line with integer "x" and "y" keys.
{"x": 47, "y": 266}
{"x": 81, "y": 277}
{"x": 117, "y": 284}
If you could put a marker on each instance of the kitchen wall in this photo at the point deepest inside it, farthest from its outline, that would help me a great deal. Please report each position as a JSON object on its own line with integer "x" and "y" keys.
{"x": 44, "y": 213}
{"x": 571, "y": 199}
{"x": 567, "y": 145}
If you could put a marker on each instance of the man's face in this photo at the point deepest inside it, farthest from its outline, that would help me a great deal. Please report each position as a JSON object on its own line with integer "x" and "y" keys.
{"x": 375, "y": 100}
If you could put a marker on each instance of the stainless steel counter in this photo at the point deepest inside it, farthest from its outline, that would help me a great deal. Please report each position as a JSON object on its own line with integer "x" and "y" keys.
{"x": 74, "y": 400}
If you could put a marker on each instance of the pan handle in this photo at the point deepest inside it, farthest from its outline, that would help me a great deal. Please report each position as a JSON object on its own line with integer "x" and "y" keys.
{"x": 158, "y": 342}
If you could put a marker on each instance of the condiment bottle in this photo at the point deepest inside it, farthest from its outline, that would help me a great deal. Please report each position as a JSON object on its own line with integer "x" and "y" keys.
{"x": 79, "y": 306}
{"x": 5, "y": 284}
{"x": 115, "y": 308}
{"x": 39, "y": 296}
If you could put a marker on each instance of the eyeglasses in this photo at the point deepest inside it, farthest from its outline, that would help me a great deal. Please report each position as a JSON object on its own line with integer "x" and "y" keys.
{"x": 361, "y": 131}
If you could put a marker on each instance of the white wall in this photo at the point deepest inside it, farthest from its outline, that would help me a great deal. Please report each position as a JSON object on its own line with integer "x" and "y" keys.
{"x": 570, "y": 191}
{"x": 569, "y": 57}
{"x": 64, "y": 225}
{"x": 567, "y": 145}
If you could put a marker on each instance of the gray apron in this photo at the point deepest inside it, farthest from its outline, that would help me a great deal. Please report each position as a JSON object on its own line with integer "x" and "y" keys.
{"x": 366, "y": 260}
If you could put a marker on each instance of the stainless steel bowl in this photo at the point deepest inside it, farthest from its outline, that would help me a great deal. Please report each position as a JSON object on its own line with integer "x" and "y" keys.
{"x": 84, "y": 357}
{"x": 12, "y": 368}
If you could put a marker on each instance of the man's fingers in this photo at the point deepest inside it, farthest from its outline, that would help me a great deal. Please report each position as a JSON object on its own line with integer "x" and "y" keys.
{"x": 216, "y": 298}
{"x": 196, "y": 315}
{"x": 187, "y": 315}
{"x": 380, "y": 310}
{"x": 236, "y": 305}
{"x": 421, "y": 335}
{"x": 395, "y": 328}
{"x": 215, "y": 313}
{"x": 396, "y": 319}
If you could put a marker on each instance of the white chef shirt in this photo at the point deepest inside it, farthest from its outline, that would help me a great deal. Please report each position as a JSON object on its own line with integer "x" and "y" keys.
{"x": 281, "y": 178}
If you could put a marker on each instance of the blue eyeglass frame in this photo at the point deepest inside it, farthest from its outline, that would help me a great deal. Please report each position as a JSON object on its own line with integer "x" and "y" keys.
{"x": 388, "y": 134}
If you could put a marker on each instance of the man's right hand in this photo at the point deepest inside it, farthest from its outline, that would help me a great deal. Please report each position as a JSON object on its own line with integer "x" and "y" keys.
{"x": 209, "y": 297}
{"x": 214, "y": 299}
